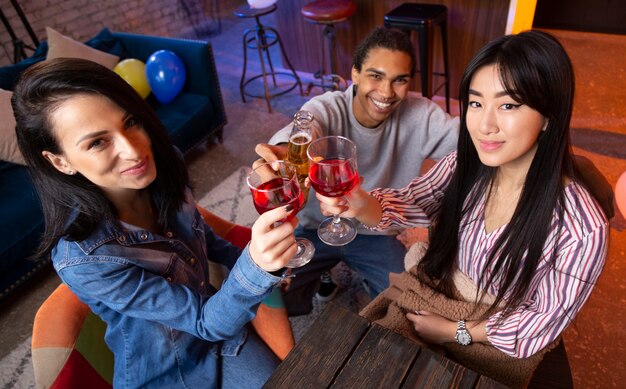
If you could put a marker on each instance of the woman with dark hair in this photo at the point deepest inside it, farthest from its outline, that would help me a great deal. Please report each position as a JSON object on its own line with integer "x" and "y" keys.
{"x": 124, "y": 234}
{"x": 508, "y": 209}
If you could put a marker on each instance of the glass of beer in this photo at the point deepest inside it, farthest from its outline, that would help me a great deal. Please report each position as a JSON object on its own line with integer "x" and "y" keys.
{"x": 299, "y": 140}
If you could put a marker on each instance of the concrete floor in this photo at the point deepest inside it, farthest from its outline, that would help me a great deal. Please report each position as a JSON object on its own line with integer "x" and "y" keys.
{"x": 596, "y": 340}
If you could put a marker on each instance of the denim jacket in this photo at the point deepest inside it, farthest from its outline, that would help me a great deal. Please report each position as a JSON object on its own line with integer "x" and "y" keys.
{"x": 166, "y": 324}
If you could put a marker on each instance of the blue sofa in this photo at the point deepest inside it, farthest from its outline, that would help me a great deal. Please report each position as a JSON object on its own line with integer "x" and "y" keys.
{"x": 195, "y": 116}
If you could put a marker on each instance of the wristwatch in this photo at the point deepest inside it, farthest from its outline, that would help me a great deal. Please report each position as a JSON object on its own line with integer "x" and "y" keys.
{"x": 462, "y": 336}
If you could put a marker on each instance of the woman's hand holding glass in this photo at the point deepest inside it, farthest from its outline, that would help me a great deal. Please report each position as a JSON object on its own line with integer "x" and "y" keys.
{"x": 273, "y": 244}
{"x": 358, "y": 204}
{"x": 275, "y": 185}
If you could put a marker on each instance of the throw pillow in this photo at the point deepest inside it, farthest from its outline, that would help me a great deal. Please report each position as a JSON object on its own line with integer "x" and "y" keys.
{"x": 105, "y": 41}
{"x": 8, "y": 141}
{"x": 60, "y": 45}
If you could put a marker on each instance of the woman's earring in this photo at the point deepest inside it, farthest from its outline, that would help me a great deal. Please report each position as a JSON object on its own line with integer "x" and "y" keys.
{"x": 71, "y": 172}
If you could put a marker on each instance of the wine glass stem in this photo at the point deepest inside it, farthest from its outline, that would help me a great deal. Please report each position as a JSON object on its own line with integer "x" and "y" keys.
{"x": 336, "y": 225}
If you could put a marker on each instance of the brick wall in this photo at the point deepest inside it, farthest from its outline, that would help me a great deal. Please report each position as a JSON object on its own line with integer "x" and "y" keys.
{"x": 82, "y": 19}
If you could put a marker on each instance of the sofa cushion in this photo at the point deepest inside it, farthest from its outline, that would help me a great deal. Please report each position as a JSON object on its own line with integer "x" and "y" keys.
{"x": 105, "y": 41}
{"x": 187, "y": 111}
{"x": 60, "y": 46}
{"x": 22, "y": 224}
{"x": 8, "y": 141}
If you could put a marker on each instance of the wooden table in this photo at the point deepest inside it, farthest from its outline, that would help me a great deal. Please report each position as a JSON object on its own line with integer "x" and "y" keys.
{"x": 344, "y": 350}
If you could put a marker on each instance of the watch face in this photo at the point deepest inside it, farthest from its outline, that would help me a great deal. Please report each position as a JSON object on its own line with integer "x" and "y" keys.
{"x": 463, "y": 337}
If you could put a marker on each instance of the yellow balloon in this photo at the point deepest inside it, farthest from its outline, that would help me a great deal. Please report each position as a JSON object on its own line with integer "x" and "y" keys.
{"x": 134, "y": 72}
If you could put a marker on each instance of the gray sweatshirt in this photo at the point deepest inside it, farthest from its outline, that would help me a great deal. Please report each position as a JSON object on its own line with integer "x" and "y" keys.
{"x": 388, "y": 156}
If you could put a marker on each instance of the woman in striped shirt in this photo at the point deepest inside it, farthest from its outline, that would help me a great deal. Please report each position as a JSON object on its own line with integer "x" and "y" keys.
{"x": 508, "y": 208}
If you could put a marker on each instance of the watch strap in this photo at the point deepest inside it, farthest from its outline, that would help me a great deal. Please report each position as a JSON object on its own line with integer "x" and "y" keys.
{"x": 463, "y": 336}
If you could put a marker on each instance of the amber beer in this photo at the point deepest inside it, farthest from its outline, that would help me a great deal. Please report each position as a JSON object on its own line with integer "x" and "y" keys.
{"x": 298, "y": 145}
{"x": 299, "y": 140}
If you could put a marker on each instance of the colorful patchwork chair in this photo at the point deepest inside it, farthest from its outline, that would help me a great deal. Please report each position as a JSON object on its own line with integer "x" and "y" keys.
{"x": 68, "y": 345}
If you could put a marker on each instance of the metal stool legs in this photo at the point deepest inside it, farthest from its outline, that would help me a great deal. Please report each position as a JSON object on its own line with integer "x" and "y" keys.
{"x": 261, "y": 38}
{"x": 444, "y": 42}
{"x": 332, "y": 81}
{"x": 426, "y": 43}
{"x": 426, "y": 39}
{"x": 423, "y": 18}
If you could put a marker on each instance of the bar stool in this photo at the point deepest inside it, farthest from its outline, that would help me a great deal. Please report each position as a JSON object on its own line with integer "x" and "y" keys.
{"x": 327, "y": 13}
{"x": 262, "y": 38}
{"x": 422, "y": 18}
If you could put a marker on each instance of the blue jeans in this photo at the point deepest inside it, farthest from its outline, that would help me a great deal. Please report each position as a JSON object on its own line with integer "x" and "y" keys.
{"x": 251, "y": 368}
{"x": 372, "y": 256}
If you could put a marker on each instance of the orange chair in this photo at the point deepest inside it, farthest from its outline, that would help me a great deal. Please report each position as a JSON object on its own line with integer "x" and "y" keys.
{"x": 68, "y": 345}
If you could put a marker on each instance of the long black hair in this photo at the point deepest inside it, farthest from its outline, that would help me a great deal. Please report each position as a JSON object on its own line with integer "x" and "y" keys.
{"x": 535, "y": 70}
{"x": 72, "y": 205}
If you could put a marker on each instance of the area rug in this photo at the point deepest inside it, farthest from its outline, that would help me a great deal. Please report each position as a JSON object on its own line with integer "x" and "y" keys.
{"x": 16, "y": 369}
{"x": 232, "y": 199}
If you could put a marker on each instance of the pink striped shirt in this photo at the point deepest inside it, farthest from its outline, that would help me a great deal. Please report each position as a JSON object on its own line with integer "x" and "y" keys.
{"x": 555, "y": 295}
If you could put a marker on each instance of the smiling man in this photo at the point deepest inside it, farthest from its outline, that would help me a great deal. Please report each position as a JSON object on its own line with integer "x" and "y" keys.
{"x": 394, "y": 133}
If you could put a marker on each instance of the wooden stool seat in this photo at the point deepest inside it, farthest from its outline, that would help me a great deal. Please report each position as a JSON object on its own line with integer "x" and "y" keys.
{"x": 328, "y": 11}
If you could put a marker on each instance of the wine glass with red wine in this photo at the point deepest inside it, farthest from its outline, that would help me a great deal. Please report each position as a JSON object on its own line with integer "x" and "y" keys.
{"x": 333, "y": 173}
{"x": 273, "y": 185}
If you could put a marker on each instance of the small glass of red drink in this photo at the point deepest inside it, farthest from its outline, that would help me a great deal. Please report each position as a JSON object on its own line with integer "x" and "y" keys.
{"x": 333, "y": 173}
{"x": 275, "y": 184}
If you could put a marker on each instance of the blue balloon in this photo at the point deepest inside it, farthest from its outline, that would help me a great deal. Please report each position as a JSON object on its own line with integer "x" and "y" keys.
{"x": 166, "y": 75}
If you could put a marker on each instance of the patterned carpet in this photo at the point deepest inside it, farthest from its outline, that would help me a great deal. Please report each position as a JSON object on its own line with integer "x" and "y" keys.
{"x": 16, "y": 369}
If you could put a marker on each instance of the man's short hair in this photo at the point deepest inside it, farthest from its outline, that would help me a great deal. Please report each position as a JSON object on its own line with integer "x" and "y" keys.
{"x": 382, "y": 37}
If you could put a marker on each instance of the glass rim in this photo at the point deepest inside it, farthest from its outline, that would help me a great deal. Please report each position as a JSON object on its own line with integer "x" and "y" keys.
{"x": 328, "y": 137}
{"x": 294, "y": 176}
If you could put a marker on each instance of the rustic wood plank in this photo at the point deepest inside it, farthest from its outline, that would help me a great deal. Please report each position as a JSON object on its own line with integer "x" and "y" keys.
{"x": 381, "y": 360}
{"x": 322, "y": 351}
{"x": 433, "y": 370}
{"x": 488, "y": 383}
